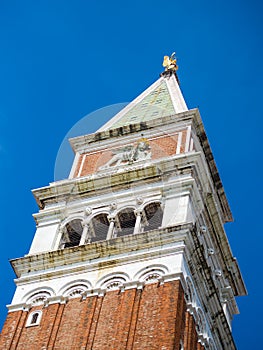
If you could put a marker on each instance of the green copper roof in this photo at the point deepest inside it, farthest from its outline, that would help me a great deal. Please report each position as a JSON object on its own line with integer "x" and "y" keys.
{"x": 156, "y": 104}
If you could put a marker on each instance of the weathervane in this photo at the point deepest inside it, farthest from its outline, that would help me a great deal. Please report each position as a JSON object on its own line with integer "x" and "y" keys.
{"x": 170, "y": 63}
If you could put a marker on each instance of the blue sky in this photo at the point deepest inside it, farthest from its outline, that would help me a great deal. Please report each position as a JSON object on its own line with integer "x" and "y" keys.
{"x": 61, "y": 60}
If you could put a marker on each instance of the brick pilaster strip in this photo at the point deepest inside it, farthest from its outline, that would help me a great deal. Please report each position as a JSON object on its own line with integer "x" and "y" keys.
{"x": 9, "y": 329}
{"x": 134, "y": 318}
{"x": 95, "y": 320}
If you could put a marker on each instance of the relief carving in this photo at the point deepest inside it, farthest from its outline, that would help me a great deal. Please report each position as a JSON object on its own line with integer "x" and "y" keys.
{"x": 129, "y": 154}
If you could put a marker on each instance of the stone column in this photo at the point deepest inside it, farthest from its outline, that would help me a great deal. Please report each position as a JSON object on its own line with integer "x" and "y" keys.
{"x": 137, "y": 227}
{"x": 111, "y": 227}
{"x": 84, "y": 233}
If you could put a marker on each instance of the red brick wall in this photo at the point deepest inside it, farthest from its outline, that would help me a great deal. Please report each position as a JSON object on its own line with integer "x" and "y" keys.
{"x": 160, "y": 147}
{"x": 152, "y": 318}
{"x": 190, "y": 336}
{"x": 11, "y": 329}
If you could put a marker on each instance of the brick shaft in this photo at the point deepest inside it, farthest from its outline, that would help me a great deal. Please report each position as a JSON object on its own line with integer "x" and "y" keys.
{"x": 152, "y": 318}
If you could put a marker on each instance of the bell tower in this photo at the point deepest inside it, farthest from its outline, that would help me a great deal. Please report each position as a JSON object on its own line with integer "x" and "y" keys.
{"x": 130, "y": 251}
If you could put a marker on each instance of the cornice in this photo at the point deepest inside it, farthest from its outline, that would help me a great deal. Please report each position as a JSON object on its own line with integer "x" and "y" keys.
{"x": 80, "y": 142}
{"x": 98, "y": 183}
{"x": 93, "y": 184}
{"x": 203, "y": 139}
{"x": 151, "y": 129}
{"x": 104, "y": 252}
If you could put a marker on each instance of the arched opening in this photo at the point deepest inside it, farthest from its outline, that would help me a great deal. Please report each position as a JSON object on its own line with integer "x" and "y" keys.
{"x": 34, "y": 318}
{"x": 154, "y": 216}
{"x": 126, "y": 219}
{"x": 72, "y": 234}
{"x": 99, "y": 227}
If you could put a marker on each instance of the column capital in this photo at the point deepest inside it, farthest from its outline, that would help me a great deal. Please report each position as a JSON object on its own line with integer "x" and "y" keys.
{"x": 111, "y": 218}
{"x": 138, "y": 212}
{"x": 85, "y": 223}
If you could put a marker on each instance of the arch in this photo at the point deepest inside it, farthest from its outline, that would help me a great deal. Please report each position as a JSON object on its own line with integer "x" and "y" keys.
{"x": 72, "y": 232}
{"x": 34, "y": 318}
{"x": 75, "y": 288}
{"x": 113, "y": 280}
{"x": 190, "y": 293}
{"x": 113, "y": 283}
{"x": 98, "y": 227}
{"x": 151, "y": 274}
{"x": 75, "y": 291}
{"x": 72, "y": 217}
{"x": 147, "y": 202}
{"x": 153, "y": 215}
{"x": 38, "y": 296}
{"x": 126, "y": 221}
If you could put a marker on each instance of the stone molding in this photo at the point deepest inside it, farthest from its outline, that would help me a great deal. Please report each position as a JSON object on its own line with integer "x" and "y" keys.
{"x": 49, "y": 261}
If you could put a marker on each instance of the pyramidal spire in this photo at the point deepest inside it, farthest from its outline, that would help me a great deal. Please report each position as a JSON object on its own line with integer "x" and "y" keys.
{"x": 161, "y": 99}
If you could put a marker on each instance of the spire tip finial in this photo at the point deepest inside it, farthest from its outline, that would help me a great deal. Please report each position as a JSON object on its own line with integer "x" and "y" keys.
{"x": 170, "y": 63}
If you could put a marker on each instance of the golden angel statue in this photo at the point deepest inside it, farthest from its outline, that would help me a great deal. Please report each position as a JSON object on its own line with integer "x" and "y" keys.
{"x": 170, "y": 63}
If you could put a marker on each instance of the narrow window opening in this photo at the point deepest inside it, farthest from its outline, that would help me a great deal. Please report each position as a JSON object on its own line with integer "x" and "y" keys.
{"x": 72, "y": 234}
{"x": 154, "y": 216}
{"x": 34, "y": 319}
{"x": 127, "y": 221}
{"x": 99, "y": 226}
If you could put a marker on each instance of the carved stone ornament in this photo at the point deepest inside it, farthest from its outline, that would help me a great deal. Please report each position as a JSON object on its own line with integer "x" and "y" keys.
{"x": 113, "y": 205}
{"x": 88, "y": 211}
{"x": 139, "y": 200}
{"x": 129, "y": 154}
